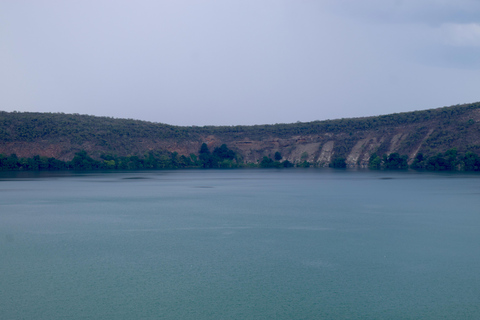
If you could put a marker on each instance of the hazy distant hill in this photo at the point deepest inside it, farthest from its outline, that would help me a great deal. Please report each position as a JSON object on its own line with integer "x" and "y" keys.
{"x": 61, "y": 135}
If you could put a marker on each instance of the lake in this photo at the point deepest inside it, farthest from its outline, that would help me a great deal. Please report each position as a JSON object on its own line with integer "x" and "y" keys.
{"x": 240, "y": 244}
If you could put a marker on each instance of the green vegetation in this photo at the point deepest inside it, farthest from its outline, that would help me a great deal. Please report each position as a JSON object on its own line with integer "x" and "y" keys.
{"x": 450, "y": 160}
{"x": 106, "y": 131}
{"x": 82, "y": 161}
{"x": 13, "y": 163}
{"x": 338, "y": 163}
{"x": 223, "y": 157}
{"x": 442, "y": 139}
{"x": 269, "y": 163}
{"x": 395, "y": 161}
{"x": 375, "y": 162}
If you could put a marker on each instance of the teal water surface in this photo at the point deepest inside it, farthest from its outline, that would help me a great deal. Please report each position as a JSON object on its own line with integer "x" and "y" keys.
{"x": 240, "y": 244}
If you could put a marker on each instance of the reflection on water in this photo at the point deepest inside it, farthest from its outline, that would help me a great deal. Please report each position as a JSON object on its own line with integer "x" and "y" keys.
{"x": 239, "y": 244}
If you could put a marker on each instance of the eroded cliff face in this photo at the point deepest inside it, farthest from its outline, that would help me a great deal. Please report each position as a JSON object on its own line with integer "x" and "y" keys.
{"x": 356, "y": 148}
{"x": 319, "y": 148}
{"x": 428, "y": 137}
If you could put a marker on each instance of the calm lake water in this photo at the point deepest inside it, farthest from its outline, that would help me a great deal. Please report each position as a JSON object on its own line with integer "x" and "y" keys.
{"x": 240, "y": 244}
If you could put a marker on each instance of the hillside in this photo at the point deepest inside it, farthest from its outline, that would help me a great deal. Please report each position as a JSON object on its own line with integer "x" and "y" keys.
{"x": 429, "y": 132}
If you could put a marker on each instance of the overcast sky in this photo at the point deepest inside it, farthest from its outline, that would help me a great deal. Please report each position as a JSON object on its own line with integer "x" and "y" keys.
{"x": 224, "y": 62}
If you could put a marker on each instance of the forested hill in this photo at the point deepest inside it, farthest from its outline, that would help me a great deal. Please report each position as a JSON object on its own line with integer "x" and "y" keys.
{"x": 429, "y": 132}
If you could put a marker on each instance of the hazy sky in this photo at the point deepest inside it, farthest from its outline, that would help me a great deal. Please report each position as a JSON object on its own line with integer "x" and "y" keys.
{"x": 224, "y": 62}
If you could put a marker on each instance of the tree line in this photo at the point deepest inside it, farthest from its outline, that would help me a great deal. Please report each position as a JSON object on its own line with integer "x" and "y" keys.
{"x": 449, "y": 160}
{"x": 223, "y": 157}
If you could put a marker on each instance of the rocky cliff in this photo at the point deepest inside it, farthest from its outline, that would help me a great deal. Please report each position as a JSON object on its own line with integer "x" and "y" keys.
{"x": 429, "y": 132}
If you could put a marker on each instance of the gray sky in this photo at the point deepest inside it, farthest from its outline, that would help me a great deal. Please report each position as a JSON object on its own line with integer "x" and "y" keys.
{"x": 223, "y": 62}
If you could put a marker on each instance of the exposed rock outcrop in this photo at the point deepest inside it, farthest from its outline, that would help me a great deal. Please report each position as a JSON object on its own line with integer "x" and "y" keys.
{"x": 430, "y": 131}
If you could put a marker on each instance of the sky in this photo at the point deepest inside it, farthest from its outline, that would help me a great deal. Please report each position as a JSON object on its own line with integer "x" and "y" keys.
{"x": 227, "y": 62}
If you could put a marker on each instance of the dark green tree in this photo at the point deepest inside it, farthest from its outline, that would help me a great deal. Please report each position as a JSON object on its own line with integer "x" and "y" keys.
{"x": 375, "y": 162}
{"x": 205, "y": 157}
{"x": 222, "y": 153}
{"x": 338, "y": 163}
{"x": 266, "y": 162}
{"x": 471, "y": 162}
{"x": 418, "y": 162}
{"x": 396, "y": 161}
{"x": 82, "y": 161}
{"x": 287, "y": 164}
